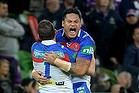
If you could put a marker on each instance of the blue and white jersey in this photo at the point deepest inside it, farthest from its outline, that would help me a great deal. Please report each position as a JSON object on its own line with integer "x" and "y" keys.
{"x": 83, "y": 44}
{"x": 54, "y": 73}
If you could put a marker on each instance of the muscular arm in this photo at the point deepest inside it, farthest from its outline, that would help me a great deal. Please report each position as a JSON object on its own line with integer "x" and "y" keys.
{"x": 92, "y": 67}
{"x": 79, "y": 68}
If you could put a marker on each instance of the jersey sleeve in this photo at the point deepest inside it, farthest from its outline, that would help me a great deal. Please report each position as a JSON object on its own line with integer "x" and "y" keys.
{"x": 37, "y": 59}
{"x": 37, "y": 53}
{"x": 86, "y": 50}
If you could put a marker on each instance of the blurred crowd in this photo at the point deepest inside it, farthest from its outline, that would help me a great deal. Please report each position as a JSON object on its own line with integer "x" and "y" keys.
{"x": 113, "y": 24}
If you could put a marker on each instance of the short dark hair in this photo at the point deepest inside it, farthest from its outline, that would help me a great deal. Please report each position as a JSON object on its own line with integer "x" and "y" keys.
{"x": 71, "y": 10}
{"x": 46, "y": 30}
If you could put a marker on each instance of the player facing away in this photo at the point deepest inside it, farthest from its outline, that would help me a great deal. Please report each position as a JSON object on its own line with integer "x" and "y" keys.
{"x": 58, "y": 81}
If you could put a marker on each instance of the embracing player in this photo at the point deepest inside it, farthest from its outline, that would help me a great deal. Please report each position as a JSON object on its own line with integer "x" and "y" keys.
{"x": 57, "y": 80}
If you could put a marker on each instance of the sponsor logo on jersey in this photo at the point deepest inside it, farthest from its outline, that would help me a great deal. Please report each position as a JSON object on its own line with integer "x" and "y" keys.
{"x": 38, "y": 53}
{"x": 87, "y": 50}
{"x": 60, "y": 54}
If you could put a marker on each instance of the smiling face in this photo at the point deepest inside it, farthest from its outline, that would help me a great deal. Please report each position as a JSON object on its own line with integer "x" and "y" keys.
{"x": 72, "y": 25}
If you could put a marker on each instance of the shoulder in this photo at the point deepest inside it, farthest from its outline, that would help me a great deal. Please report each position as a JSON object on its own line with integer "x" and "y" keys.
{"x": 86, "y": 38}
{"x": 35, "y": 45}
{"x": 131, "y": 49}
{"x": 59, "y": 33}
{"x": 57, "y": 46}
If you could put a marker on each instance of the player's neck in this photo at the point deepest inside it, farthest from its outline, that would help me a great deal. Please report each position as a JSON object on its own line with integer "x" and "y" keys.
{"x": 54, "y": 39}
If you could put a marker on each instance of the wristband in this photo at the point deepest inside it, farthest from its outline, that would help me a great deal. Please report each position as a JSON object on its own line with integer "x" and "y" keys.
{"x": 64, "y": 65}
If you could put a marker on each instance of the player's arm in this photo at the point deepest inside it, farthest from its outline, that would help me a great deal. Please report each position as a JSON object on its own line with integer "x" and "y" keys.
{"x": 91, "y": 69}
{"x": 79, "y": 68}
{"x": 37, "y": 75}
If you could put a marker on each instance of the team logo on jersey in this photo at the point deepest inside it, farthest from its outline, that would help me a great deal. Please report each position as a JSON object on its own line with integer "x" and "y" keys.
{"x": 68, "y": 44}
{"x": 87, "y": 50}
{"x": 38, "y": 53}
{"x": 60, "y": 54}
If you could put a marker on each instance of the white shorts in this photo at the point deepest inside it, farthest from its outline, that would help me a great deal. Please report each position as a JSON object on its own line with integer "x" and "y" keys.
{"x": 55, "y": 89}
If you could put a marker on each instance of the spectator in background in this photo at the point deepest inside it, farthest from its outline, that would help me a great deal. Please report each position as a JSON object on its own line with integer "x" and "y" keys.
{"x": 131, "y": 58}
{"x": 102, "y": 24}
{"x": 123, "y": 37}
{"x": 29, "y": 86}
{"x": 68, "y": 4}
{"x": 52, "y": 12}
{"x": 124, "y": 6}
{"x": 85, "y": 8}
{"x": 27, "y": 40}
{"x": 117, "y": 4}
{"x": 10, "y": 31}
{"x": 5, "y": 82}
{"x": 103, "y": 83}
{"x": 124, "y": 83}
{"x": 4, "y": 69}
{"x": 116, "y": 88}
{"x": 136, "y": 4}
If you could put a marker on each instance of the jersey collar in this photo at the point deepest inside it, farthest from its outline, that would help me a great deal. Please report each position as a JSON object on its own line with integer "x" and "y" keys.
{"x": 48, "y": 42}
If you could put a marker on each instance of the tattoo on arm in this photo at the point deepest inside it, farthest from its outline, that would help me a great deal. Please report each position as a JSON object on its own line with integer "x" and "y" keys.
{"x": 87, "y": 62}
{"x": 79, "y": 60}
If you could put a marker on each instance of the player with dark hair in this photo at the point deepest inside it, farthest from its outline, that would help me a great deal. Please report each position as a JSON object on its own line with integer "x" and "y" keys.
{"x": 57, "y": 80}
{"x": 75, "y": 38}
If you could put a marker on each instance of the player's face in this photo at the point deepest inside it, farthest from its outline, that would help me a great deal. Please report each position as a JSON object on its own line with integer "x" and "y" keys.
{"x": 3, "y": 10}
{"x": 72, "y": 25}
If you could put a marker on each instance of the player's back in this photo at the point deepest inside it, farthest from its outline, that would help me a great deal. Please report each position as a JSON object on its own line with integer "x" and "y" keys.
{"x": 59, "y": 80}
